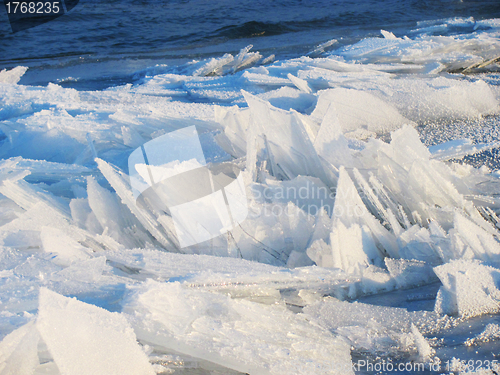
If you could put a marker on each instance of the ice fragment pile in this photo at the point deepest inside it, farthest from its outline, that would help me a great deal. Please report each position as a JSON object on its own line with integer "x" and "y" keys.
{"x": 344, "y": 201}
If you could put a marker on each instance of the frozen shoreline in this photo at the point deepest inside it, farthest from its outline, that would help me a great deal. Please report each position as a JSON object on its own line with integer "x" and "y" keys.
{"x": 399, "y": 217}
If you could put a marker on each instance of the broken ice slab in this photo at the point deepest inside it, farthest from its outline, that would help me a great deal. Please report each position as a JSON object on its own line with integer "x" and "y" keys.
{"x": 16, "y": 172}
{"x": 301, "y": 84}
{"x": 378, "y": 330}
{"x": 336, "y": 64}
{"x": 164, "y": 234}
{"x": 238, "y": 334}
{"x": 111, "y": 216}
{"x": 330, "y": 143}
{"x": 225, "y": 64}
{"x": 291, "y": 152}
{"x": 321, "y": 48}
{"x": 235, "y": 123}
{"x": 85, "y": 339}
{"x": 65, "y": 249}
{"x": 371, "y": 48}
{"x": 245, "y": 59}
{"x": 416, "y": 243}
{"x": 473, "y": 241}
{"x": 419, "y": 100}
{"x": 26, "y": 196}
{"x": 36, "y": 217}
{"x": 214, "y": 66}
{"x": 425, "y": 352}
{"x": 469, "y": 288}
{"x": 235, "y": 276}
{"x": 350, "y": 210}
{"x": 359, "y": 109}
{"x": 19, "y": 351}
{"x": 440, "y": 98}
{"x": 265, "y": 79}
{"x": 410, "y": 273}
{"x": 481, "y": 65}
{"x": 468, "y": 53}
{"x": 426, "y": 188}
{"x": 12, "y": 76}
{"x": 25, "y": 229}
{"x": 40, "y": 170}
{"x": 70, "y": 337}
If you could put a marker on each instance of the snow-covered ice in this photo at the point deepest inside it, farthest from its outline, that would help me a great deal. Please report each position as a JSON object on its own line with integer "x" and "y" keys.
{"x": 238, "y": 334}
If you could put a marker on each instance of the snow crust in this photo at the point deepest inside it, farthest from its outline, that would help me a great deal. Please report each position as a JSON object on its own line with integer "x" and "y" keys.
{"x": 344, "y": 201}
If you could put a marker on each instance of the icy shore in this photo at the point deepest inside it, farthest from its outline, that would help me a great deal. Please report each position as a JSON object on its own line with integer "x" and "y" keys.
{"x": 345, "y": 201}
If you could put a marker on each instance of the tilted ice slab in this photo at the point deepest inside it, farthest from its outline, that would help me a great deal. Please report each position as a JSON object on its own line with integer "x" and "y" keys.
{"x": 237, "y": 334}
{"x": 79, "y": 339}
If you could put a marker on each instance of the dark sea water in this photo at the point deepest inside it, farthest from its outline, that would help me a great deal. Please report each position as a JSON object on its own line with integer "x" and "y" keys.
{"x": 112, "y": 38}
